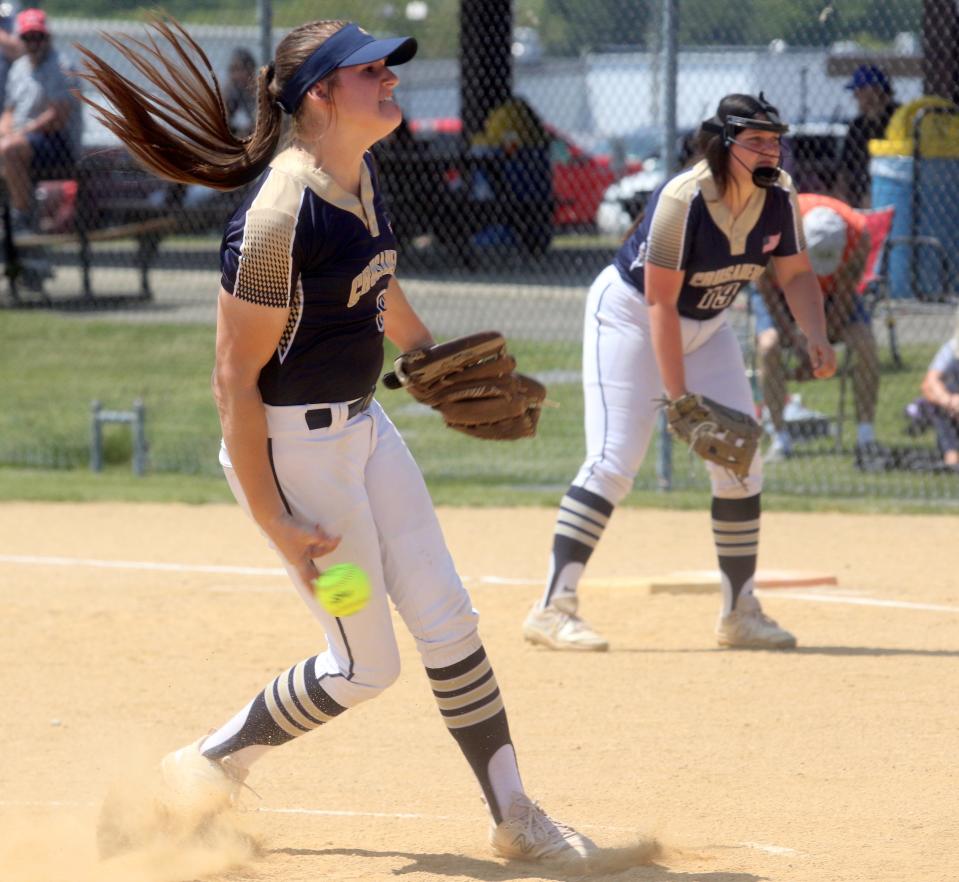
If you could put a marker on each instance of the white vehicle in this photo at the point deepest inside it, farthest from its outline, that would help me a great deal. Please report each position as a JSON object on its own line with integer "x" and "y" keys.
{"x": 623, "y": 200}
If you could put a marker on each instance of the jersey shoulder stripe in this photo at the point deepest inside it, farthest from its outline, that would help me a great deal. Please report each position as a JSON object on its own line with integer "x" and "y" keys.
{"x": 668, "y": 229}
{"x": 686, "y": 185}
{"x": 265, "y": 267}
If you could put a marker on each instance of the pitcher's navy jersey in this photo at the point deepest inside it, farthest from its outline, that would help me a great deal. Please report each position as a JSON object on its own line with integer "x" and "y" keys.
{"x": 300, "y": 241}
{"x": 688, "y": 227}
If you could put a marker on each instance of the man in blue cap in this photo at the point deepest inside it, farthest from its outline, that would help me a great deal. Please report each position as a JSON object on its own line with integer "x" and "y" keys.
{"x": 873, "y": 93}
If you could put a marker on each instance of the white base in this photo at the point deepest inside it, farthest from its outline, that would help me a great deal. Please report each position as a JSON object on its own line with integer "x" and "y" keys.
{"x": 708, "y": 581}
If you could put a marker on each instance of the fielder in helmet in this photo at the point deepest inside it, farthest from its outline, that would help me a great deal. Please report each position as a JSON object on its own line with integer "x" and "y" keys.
{"x": 656, "y": 323}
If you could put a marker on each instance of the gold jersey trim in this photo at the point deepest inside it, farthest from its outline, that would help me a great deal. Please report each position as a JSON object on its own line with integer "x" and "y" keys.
{"x": 298, "y": 164}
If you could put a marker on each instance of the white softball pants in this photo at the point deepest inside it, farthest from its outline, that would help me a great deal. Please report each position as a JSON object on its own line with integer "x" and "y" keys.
{"x": 358, "y": 480}
{"x": 621, "y": 385}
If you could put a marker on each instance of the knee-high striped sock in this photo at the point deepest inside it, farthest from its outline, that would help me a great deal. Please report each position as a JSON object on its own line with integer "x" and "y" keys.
{"x": 580, "y": 523}
{"x": 293, "y": 704}
{"x": 736, "y": 533}
{"x": 472, "y": 707}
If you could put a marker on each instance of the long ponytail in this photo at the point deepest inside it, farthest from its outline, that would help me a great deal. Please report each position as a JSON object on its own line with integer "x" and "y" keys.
{"x": 179, "y": 129}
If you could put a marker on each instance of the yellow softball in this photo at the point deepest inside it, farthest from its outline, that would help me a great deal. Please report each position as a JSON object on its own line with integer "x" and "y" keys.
{"x": 342, "y": 589}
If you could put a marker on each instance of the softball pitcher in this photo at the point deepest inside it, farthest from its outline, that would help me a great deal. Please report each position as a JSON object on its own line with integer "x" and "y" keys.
{"x": 655, "y": 321}
{"x": 307, "y": 294}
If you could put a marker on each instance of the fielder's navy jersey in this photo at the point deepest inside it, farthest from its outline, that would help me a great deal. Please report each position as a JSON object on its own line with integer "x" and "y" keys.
{"x": 300, "y": 241}
{"x": 688, "y": 227}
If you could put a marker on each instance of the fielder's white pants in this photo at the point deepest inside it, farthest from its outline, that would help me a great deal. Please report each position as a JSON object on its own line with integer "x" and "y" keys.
{"x": 622, "y": 387}
{"x": 358, "y": 480}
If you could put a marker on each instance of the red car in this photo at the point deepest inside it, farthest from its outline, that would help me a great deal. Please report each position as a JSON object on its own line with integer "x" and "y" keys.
{"x": 579, "y": 178}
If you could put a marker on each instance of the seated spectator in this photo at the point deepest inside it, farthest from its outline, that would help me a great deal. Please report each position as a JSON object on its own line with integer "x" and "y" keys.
{"x": 941, "y": 389}
{"x": 512, "y": 125}
{"x": 239, "y": 93}
{"x": 838, "y": 245}
{"x": 41, "y": 121}
{"x": 239, "y": 98}
{"x": 514, "y": 146}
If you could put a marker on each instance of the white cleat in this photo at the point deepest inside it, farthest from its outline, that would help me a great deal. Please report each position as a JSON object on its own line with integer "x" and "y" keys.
{"x": 778, "y": 452}
{"x": 189, "y": 793}
{"x": 527, "y": 833}
{"x": 748, "y": 627}
{"x": 561, "y": 629}
{"x": 197, "y": 785}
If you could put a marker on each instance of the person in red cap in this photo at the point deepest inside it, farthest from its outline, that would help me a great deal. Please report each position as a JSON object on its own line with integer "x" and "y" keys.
{"x": 40, "y": 125}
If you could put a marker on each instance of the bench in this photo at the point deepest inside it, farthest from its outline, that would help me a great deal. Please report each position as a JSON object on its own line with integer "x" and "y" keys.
{"x": 115, "y": 200}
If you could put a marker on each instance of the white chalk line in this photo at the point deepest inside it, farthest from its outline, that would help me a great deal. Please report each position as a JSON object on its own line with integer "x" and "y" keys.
{"x": 36, "y": 560}
{"x": 413, "y": 816}
{"x": 272, "y": 572}
{"x": 815, "y": 597}
{"x": 503, "y": 580}
{"x": 400, "y": 816}
{"x": 770, "y": 849}
{"x": 50, "y": 803}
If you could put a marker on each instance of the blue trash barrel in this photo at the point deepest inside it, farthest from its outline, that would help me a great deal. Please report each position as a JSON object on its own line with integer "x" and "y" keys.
{"x": 938, "y": 184}
{"x": 904, "y": 177}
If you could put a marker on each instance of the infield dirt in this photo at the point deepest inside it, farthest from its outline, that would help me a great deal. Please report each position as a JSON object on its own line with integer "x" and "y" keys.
{"x": 830, "y": 763}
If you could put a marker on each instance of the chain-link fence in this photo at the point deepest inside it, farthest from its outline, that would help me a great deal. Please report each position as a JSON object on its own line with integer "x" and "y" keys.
{"x": 534, "y": 134}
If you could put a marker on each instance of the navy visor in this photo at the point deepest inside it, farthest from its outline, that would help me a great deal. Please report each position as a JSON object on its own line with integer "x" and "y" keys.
{"x": 348, "y": 46}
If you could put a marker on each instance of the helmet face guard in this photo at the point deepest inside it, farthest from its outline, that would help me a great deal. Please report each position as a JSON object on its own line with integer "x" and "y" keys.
{"x": 733, "y": 123}
{"x": 763, "y": 175}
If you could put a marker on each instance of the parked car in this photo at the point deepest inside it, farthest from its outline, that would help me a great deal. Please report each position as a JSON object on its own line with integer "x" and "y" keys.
{"x": 626, "y": 198}
{"x": 624, "y": 153}
{"x": 579, "y": 177}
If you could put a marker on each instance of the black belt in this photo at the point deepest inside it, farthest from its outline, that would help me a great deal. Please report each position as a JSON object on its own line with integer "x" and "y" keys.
{"x": 322, "y": 417}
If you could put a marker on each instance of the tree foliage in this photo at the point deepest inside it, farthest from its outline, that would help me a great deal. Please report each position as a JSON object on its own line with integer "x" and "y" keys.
{"x": 567, "y": 27}
{"x": 572, "y": 26}
{"x": 798, "y": 22}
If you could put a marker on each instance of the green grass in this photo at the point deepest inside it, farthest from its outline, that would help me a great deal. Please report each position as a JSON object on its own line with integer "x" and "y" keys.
{"x": 53, "y": 366}
{"x": 112, "y": 484}
{"x": 118, "y": 484}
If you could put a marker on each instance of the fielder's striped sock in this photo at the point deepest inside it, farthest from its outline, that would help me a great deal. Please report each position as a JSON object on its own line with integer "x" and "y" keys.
{"x": 736, "y": 532}
{"x": 580, "y": 523}
{"x": 293, "y": 704}
{"x": 472, "y": 707}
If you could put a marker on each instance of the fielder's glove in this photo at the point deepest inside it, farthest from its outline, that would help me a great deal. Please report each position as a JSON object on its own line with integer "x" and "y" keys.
{"x": 472, "y": 382}
{"x": 717, "y": 433}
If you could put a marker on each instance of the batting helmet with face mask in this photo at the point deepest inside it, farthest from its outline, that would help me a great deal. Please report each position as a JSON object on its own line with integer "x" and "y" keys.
{"x": 763, "y": 117}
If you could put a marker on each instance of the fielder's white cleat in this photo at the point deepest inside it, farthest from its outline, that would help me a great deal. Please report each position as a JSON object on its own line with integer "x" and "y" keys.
{"x": 558, "y": 627}
{"x": 748, "y": 627}
{"x": 197, "y": 785}
{"x": 527, "y": 833}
